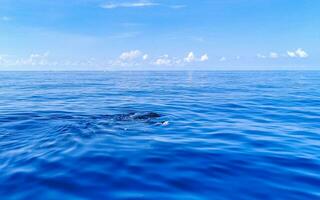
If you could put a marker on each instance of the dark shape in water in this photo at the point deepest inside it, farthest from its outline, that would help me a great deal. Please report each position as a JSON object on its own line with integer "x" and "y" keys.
{"x": 147, "y": 117}
{"x": 144, "y": 116}
{"x": 136, "y": 116}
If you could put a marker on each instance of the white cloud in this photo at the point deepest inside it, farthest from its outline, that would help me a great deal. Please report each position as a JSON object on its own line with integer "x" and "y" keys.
{"x": 134, "y": 58}
{"x": 273, "y": 55}
{"x": 163, "y": 60}
{"x": 145, "y": 57}
{"x": 291, "y": 54}
{"x": 204, "y": 58}
{"x": 141, "y": 3}
{"x": 301, "y": 53}
{"x": 38, "y": 60}
{"x": 261, "y": 56}
{"x": 190, "y": 58}
{"x": 130, "y": 55}
{"x": 175, "y": 61}
{"x": 35, "y": 59}
{"x": 130, "y": 58}
{"x": 222, "y": 59}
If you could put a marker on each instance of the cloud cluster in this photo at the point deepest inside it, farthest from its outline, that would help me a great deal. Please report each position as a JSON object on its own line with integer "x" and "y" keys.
{"x": 164, "y": 60}
{"x": 137, "y": 57}
{"x": 130, "y": 58}
{"x": 44, "y": 60}
{"x": 204, "y": 58}
{"x": 299, "y": 53}
{"x": 134, "y": 55}
{"x": 190, "y": 58}
{"x": 130, "y": 55}
{"x": 273, "y": 55}
{"x": 126, "y": 59}
{"x": 32, "y": 60}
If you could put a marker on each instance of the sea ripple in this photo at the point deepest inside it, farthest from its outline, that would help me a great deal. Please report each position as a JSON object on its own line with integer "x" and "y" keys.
{"x": 160, "y": 135}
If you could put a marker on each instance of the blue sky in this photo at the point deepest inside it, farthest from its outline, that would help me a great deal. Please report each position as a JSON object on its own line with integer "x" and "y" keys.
{"x": 159, "y": 34}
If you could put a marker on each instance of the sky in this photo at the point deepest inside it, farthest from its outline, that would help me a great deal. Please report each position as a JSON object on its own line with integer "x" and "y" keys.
{"x": 159, "y": 35}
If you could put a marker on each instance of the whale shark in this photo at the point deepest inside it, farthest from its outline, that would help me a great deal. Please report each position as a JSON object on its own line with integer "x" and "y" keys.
{"x": 134, "y": 116}
{"x": 151, "y": 118}
{"x": 147, "y": 117}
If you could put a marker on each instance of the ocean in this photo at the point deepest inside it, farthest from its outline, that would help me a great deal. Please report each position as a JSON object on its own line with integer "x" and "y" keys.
{"x": 160, "y": 135}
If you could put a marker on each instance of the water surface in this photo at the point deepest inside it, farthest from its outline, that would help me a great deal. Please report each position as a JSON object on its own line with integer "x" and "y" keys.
{"x": 228, "y": 135}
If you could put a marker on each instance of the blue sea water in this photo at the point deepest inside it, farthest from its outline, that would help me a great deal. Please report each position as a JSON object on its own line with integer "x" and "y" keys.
{"x": 219, "y": 135}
